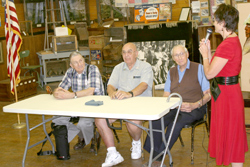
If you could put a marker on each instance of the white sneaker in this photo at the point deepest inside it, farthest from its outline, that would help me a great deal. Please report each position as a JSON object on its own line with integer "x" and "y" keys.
{"x": 136, "y": 150}
{"x": 112, "y": 159}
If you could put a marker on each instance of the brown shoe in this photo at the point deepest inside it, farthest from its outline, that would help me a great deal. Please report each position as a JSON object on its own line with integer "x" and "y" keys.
{"x": 80, "y": 144}
{"x": 154, "y": 164}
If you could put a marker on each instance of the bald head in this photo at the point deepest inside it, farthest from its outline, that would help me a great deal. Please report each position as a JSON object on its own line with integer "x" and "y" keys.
{"x": 129, "y": 54}
{"x": 130, "y": 46}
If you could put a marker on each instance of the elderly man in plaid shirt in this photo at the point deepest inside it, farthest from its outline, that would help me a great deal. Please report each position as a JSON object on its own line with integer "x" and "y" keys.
{"x": 84, "y": 80}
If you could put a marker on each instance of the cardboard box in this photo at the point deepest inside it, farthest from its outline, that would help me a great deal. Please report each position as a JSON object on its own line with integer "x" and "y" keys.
{"x": 115, "y": 34}
{"x": 56, "y": 67}
{"x": 64, "y": 43}
{"x": 108, "y": 65}
{"x": 96, "y": 31}
{"x": 25, "y": 88}
{"x": 83, "y": 43}
{"x": 96, "y": 41}
{"x": 81, "y": 30}
{"x": 99, "y": 64}
{"x": 113, "y": 51}
{"x": 83, "y": 48}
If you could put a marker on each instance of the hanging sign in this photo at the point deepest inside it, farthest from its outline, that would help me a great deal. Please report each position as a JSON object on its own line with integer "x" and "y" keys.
{"x": 153, "y": 12}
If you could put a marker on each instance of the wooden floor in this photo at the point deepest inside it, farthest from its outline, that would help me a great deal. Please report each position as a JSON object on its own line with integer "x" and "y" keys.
{"x": 12, "y": 144}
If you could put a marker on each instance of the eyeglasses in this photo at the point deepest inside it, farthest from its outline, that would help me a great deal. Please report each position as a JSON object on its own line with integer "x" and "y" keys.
{"x": 180, "y": 55}
{"x": 129, "y": 52}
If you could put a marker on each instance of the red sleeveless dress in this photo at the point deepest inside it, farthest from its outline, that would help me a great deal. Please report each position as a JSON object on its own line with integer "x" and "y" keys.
{"x": 228, "y": 140}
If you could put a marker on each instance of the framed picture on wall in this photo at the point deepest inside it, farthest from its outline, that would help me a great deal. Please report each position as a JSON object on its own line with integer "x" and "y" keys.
{"x": 184, "y": 14}
{"x": 1, "y": 53}
{"x": 158, "y": 54}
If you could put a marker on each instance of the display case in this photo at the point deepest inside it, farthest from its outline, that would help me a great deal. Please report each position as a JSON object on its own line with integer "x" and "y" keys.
{"x": 48, "y": 57}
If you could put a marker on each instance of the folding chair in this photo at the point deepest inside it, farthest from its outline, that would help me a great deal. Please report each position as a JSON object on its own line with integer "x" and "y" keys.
{"x": 193, "y": 126}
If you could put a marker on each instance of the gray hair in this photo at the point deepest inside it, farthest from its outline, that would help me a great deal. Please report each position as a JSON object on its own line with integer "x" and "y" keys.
{"x": 172, "y": 51}
{"x": 73, "y": 54}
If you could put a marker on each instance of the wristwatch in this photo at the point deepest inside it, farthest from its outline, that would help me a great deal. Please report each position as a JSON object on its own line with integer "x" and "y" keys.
{"x": 75, "y": 95}
{"x": 199, "y": 104}
{"x": 131, "y": 93}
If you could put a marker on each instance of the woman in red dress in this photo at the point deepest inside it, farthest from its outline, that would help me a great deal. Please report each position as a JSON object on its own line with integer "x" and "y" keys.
{"x": 228, "y": 141}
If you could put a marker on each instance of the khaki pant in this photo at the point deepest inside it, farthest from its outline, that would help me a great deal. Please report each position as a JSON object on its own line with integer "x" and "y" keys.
{"x": 84, "y": 128}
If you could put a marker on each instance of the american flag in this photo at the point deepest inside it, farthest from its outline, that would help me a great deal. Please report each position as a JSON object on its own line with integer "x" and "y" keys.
{"x": 13, "y": 43}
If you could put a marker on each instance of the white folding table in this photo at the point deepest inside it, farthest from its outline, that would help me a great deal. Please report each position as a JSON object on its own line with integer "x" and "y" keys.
{"x": 136, "y": 108}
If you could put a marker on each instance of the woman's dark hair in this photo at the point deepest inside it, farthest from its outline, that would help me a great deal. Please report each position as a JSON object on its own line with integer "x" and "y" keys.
{"x": 229, "y": 15}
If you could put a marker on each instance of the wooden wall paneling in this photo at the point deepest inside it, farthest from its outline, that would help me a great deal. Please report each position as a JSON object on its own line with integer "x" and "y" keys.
{"x": 176, "y": 9}
{"x": 215, "y": 38}
{"x": 20, "y": 15}
{"x": 33, "y": 44}
{"x": 3, "y": 66}
{"x": 20, "y": 11}
{"x": 2, "y": 32}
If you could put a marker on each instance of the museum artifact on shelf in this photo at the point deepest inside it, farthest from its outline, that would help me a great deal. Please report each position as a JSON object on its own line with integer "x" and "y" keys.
{"x": 25, "y": 88}
{"x": 64, "y": 43}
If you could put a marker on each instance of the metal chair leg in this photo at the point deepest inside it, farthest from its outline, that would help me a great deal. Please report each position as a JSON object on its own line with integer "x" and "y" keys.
{"x": 192, "y": 145}
{"x": 207, "y": 129}
{"x": 182, "y": 143}
{"x": 116, "y": 136}
{"x": 38, "y": 80}
{"x": 95, "y": 142}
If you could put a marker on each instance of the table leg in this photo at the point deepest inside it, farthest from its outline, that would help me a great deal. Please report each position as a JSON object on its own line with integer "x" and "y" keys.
{"x": 27, "y": 147}
{"x": 162, "y": 131}
{"x": 165, "y": 142}
{"x": 48, "y": 137}
{"x": 151, "y": 143}
{"x": 28, "y": 140}
{"x": 169, "y": 138}
{"x": 151, "y": 136}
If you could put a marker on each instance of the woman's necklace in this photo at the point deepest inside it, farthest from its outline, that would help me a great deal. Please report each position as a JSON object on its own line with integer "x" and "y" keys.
{"x": 228, "y": 35}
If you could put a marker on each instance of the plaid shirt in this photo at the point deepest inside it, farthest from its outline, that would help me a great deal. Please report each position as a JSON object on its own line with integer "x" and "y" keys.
{"x": 78, "y": 82}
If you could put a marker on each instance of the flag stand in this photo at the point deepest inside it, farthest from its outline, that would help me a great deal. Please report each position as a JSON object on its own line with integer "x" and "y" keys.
{"x": 17, "y": 125}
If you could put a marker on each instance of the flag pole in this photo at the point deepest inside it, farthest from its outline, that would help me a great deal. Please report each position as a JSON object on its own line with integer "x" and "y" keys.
{"x": 17, "y": 125}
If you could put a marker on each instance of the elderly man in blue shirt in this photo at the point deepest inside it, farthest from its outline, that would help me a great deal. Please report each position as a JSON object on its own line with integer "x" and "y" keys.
{"x": 187, "y": 79}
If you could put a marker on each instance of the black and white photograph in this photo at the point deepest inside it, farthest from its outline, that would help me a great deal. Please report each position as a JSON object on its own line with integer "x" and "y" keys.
{"x": 204, "y": 4}
{"x": 219, "y": 2}
{"x": 204, "y": 12}
{"x": 206, "y": 20}
{"x": 158, "y": 54}
{"x": 196, "y": 17}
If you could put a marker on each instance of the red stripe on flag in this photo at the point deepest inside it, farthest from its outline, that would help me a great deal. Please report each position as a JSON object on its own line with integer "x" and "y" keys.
{"x": 13, "y": 43}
